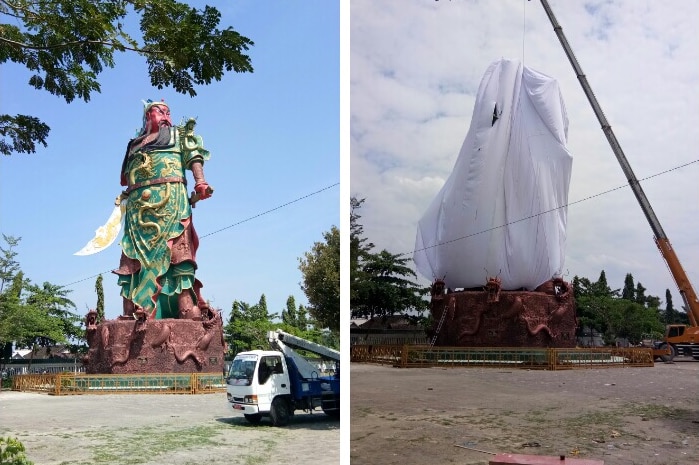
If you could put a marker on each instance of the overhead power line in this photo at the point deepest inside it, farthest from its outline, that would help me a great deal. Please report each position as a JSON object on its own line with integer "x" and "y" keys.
{"x": 272, "y": 209}
{"x": 286, "y": 204}
{"x": 624, "y": 186}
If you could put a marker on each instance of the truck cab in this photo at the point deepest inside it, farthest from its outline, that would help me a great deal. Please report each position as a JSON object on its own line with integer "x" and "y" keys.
{"x": 254, "y": 380}
{"x": 682, "y": 340}
{"x": 275, "y": 383}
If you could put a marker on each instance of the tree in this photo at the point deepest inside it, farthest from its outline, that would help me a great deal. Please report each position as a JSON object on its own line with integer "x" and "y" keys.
{"x": 629, "y": 291}
{"x": 66, "y": 44}
{"x": 632, "y": 320}
{"x": 360, "y": 250}
{"x": 669, "y": 309}
{"x": 247, "y": 327}
{"x": 386, "y": 289}
{"x": 32, "y": 315}
{"x": 37, "y": 320}
{"x": 296, "y": 318}
{"x": 321, "y": 280}
{"x": 640, "y": 294}
{"x": 99, "y": 289}
{"x": 629, "y": 314}
{"x": 8, "y": 265}
{"x": 55, "y": 322}
{"x": 379, "y": 283}
{"x": 594, "y": 302}
{"x": 601, "y": 286}
{"x": 653, "y": 301}
{"x": 12, "y": 327}
{"x": 289, "y": 313}
{"x": 302, "y": 321}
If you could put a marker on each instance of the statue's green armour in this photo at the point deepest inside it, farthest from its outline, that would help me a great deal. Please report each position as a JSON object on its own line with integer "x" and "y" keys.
{"x": 159, "y": 243}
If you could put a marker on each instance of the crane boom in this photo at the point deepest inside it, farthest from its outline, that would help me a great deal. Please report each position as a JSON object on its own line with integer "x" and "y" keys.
{"x": 303, "y": 344}
{"x": 666, "y": 250}
{"x": 286, "y": 343}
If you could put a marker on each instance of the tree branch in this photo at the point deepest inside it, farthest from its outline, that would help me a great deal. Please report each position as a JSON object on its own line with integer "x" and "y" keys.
{"x": 79, "y": 42}
{"x": 15, "y": 7}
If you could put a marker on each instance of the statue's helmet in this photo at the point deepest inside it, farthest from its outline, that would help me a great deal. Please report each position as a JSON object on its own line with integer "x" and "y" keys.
{"x": 147, "y": 106}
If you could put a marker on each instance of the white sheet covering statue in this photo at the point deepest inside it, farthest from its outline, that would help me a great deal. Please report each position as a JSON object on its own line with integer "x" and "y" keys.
{"x": 502, "y": 210}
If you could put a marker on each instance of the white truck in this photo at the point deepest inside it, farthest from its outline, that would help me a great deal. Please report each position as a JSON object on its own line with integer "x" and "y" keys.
{"x": 274, "y": 383}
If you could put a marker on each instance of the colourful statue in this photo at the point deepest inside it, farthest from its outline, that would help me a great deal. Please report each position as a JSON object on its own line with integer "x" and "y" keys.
{"x": 159, "y": 245}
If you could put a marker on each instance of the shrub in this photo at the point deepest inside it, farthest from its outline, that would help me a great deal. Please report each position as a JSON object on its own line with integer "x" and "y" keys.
{"x": 12, "y": 452}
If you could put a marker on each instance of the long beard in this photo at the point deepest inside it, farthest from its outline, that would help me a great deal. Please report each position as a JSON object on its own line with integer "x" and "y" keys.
{"x": 161, "y": 138}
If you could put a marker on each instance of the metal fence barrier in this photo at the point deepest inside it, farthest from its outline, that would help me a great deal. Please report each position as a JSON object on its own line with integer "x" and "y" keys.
{"x": 383, "y": 354}
{"x": 406, "y": 356}
{"x": 156, "y": 383}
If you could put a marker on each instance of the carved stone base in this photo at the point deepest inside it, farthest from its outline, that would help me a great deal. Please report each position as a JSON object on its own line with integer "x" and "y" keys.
{"x": 495, "y": 318}
{"x": 155, "y": 346}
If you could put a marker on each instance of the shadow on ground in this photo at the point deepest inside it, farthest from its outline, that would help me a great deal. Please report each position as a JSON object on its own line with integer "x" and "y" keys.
{"x": 315, "y": 421}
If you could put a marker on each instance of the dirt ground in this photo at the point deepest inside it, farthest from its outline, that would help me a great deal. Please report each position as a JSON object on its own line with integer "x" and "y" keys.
{"x": 621, "y": 416}
{"x": 157, "y": 429}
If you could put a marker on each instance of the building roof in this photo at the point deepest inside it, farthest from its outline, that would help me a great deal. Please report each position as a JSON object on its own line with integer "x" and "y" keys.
{"x": 42, "y": 352}
{"x": 395, "y": 322}
{"x": 357, "y": 322}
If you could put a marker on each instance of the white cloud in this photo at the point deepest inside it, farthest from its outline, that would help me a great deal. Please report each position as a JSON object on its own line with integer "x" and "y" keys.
{"x": 415, "y": 70}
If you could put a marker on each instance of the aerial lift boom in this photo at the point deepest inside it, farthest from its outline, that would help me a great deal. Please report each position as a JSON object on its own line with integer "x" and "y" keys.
{"x": 282, "y": 341}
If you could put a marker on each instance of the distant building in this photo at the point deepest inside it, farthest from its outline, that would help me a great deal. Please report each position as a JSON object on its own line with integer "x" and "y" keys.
{"x": 590, "y": 338}
{"x": 386, "y": 330}
{"x": 42, "y": 353}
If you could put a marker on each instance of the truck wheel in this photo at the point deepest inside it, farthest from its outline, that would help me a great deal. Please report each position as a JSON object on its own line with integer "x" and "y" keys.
{"x": 253, "y": 418}
{"x": 331, "y": 406}
{"x": 667, "y": 358}
{"x": 279, "y": 412}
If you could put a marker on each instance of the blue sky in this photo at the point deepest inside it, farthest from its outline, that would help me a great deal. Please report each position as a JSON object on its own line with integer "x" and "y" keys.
{"x": 273, "y": 137}
{"x": 415, "y": 70}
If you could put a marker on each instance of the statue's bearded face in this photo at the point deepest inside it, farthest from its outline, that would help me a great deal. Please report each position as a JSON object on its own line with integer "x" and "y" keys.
{"x": 156, "y": 117}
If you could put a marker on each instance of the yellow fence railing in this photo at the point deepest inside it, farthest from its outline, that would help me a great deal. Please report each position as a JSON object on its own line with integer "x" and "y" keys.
{"x": 152, "y": 383}
{"x": 384, "y": 354}
{"x": 533, "y": 358}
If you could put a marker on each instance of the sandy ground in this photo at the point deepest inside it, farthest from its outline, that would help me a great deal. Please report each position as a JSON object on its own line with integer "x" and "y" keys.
{"x": 620, "y": 416}
{"x": 157, "y": 429}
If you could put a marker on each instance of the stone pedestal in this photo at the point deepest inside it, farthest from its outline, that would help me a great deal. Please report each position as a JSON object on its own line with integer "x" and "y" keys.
{"x": 495, "y": 318}
{"x": 126, "y": 346}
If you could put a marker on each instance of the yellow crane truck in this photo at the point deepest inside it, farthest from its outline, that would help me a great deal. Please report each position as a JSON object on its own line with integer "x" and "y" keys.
{"x": 679, "y": 339}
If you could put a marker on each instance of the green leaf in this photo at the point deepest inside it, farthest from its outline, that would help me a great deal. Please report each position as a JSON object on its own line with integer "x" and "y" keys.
{"x": 66, "y": 44}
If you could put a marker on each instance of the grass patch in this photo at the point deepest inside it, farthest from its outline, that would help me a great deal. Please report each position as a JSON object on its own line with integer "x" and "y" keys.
{"x": 616, "y": 418}
{"x": 538, "y": 416}
{"x": 134, "y": 447}
{"x": 141, "y": 447}
{"x": 253, "y": 460}
{"x": 653, "y": 411}
{"x": 597, "y": 425}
